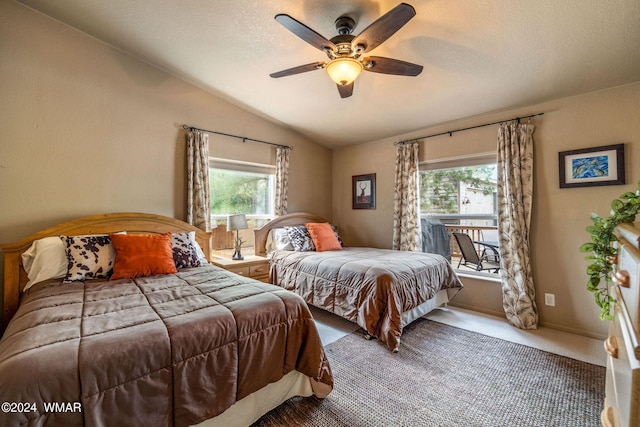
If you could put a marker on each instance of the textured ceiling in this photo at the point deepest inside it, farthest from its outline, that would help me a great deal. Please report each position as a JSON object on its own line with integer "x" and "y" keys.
{"x": 478, "y": 56}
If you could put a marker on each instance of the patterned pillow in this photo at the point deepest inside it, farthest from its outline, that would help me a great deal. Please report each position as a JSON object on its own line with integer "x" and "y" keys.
{"x": 300, "y": 238}
{"x": 337, "y": 235}
{"x": 89, "y": 257}
{"x": 185, "y": 250}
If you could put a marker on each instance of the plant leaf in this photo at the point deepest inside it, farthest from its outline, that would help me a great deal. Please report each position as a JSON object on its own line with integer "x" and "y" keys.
{"x": 587, "y": 247}
{"x": 602, "y": 235}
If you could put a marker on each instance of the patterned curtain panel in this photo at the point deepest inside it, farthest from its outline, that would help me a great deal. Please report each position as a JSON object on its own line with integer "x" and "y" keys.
{"x": 406, "y": 203}
{"x": 198, "y": 196}
{"x": 282, "y": 180}
{"x": 515, "y": 193}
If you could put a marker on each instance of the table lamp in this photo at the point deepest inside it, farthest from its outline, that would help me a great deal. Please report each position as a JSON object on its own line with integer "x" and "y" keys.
{"x": 237, "y": 222}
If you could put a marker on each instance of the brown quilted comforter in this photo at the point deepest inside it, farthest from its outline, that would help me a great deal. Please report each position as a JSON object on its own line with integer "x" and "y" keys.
{"x": 157, "y": 351}
{"x": 371, "y": 287}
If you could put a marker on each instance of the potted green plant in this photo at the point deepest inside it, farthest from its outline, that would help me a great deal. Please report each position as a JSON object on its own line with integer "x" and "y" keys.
{"x": 624, "y": 209}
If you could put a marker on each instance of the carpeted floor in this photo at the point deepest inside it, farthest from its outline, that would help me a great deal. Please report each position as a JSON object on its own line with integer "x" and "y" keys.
{"x": 446, "y": 376}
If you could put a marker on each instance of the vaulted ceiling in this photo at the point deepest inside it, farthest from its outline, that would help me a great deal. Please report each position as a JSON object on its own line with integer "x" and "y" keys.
{"x": 478, "y": 56}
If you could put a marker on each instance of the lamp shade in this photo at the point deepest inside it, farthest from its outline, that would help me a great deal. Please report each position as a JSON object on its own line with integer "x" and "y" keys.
{"x": 237, "y": 222}
{"x": 344, "y": 71}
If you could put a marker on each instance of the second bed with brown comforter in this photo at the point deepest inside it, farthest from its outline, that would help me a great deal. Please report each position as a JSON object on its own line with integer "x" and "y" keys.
{"x": 371, "y": 287}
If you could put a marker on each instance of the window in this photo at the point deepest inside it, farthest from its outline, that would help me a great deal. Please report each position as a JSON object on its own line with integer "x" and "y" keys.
{"x": 462, "y": 195}
{"x": 240, "y": 187}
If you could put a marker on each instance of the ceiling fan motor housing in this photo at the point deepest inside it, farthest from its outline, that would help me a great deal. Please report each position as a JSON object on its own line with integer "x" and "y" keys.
{"x": 343, "y": 46}
{"x": 345, "y": 25}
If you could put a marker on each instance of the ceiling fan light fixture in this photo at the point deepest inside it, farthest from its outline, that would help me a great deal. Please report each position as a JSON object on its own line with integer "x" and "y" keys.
{"x": 344, "y": 71}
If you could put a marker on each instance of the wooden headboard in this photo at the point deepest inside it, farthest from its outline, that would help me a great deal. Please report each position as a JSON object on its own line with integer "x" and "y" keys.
{"x": 15, "y": 278}
{"x": 298, "y": 218}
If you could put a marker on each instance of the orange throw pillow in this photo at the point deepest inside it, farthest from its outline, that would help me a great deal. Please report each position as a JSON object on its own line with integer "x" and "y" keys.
{"x": 139, "y": 255}
{"x": 323, "y": 236}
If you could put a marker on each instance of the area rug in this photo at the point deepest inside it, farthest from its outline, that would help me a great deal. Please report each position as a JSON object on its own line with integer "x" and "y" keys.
{"x": 446, "y": 376}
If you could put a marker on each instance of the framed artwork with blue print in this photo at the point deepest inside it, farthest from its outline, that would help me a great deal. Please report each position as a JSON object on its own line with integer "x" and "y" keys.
{"x": 591, "y": 167}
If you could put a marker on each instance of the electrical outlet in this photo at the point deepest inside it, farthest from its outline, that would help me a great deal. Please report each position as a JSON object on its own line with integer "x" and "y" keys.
{"x": 550, "y": 299}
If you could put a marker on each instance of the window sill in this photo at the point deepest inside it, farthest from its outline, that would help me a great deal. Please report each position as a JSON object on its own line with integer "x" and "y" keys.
{"x": 487, "y": 277}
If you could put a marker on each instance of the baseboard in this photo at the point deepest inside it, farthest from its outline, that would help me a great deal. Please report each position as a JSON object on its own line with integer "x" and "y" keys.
{"x": 478, "y": 309}
{"x": 575, "y": 331}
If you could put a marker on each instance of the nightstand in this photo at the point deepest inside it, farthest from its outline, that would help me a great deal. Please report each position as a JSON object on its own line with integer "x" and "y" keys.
{"x": 253, "y": 266}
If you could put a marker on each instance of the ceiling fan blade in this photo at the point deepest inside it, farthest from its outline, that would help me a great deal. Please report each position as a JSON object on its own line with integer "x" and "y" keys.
{"x": 384, "y": 27}
{"x": 345, "y": 90}
{"x": 379, "y": 64}
{"x": 299, "y": 69}
{"x": 305, "y": 33}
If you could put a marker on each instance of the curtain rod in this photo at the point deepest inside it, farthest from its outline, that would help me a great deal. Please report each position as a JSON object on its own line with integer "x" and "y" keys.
{"x": 450, "y": 133}
{"x": 243, "y": 138}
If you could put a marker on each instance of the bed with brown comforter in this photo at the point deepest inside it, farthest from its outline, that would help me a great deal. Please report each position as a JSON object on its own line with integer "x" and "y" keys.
{"x": 370, "y": 287}
{"x": 379, "y": 289}
{"x": 163, "y": 350}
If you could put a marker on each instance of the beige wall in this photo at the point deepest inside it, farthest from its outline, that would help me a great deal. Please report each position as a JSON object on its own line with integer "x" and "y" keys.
{"x": 559, "y": 217}
{"x": 87, "y": 129}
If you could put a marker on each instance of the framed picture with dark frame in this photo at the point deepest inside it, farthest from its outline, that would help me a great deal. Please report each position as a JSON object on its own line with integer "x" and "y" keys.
{"x": 591, "y": 167}
{"x": 364, "y": 191}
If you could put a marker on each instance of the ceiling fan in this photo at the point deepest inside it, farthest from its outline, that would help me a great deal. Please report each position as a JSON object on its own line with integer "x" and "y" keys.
{"x": 345, "y": 50}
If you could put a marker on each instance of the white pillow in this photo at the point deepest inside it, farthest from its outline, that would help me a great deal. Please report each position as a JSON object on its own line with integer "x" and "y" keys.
{"x": 201, "y": 256}
{"x": 45, "y": 259}
{"x": 278, "y": 239}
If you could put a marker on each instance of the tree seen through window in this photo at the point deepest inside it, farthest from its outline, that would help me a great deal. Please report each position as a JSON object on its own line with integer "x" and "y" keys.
{"x": 234, "y": 192}
{"x": 446, "y": 191}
